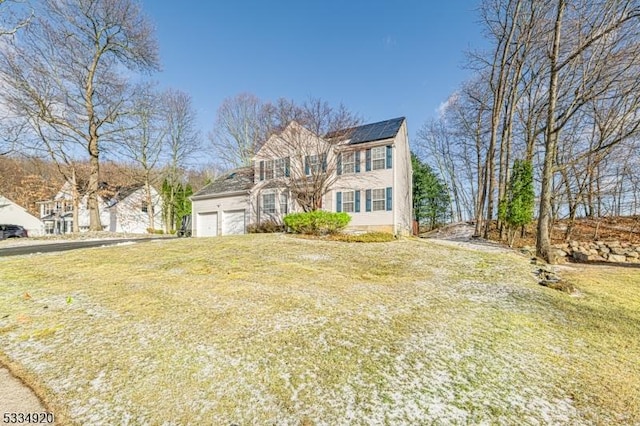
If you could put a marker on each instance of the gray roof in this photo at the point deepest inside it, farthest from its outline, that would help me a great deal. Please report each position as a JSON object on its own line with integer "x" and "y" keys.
{"x": 237, "y": 180}
{"x": 125, "y": 191}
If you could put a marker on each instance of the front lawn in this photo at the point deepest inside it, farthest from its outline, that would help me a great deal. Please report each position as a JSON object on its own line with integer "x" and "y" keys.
{"x": 272, "y": 329}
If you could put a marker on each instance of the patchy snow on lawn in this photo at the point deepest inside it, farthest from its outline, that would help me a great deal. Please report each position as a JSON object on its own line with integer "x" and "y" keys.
{"x": 315, "y": 333}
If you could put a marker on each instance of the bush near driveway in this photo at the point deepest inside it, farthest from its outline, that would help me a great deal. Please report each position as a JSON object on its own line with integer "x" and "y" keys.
{"x": 265, "y": 227}
{"x": 317, "y": 222}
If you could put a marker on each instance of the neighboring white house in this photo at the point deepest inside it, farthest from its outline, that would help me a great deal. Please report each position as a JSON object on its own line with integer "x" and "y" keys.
{"x": 124, "y": 212}
{"x": 371, "y": 180}
{"x": 13, "y": 214}
{"x": 129, "y": 211}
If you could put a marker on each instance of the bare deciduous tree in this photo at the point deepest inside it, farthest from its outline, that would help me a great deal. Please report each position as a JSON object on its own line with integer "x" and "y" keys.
{"x": 143, "y": 140}
{"x": 182, "y": 142}
{"x": 66, "y": 72}
{"x": 593, "y": 56}
{"x": 14, "y": 15}
{"x": 558, "y": 88}
{"x": 242, "y": 124}
{"x": 302, "y": 157}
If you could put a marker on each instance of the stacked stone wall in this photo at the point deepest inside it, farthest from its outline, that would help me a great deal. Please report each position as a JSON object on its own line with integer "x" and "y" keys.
{"x": 598, "y": 251}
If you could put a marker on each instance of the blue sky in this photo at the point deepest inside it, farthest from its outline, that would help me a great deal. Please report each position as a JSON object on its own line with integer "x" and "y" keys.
{"x": 381, "y": 58}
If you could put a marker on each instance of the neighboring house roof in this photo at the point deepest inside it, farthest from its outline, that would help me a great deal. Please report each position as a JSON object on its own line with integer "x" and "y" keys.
{"x": 12, "y": 213}
{"x": 374, "y": 131}
{"x": 105, "y": 191}
{"x": 237, "y": 180}
{"x": 124, "y": 192}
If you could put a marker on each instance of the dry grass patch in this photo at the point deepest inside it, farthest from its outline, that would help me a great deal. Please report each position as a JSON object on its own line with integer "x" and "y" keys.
{"x": 263, "y": 329}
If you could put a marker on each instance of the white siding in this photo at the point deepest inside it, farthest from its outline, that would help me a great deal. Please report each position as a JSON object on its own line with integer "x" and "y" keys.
{"x": 13, "y": 214}
{"x": 403, "y": 190}
{"x": 130, "y": 218}
{"x": 218, "y": 206}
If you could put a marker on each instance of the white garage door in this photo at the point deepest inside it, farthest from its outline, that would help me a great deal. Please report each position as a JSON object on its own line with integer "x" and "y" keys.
{"x": 207, "y": 224}
{"x": 233, "y": 222}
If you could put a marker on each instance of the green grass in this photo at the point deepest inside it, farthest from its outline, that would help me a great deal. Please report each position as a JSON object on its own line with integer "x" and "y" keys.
{"x": 273, "y": 329}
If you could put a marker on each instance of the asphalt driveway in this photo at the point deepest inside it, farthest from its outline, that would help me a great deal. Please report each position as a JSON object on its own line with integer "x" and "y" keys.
{"x": 51, "y": 247}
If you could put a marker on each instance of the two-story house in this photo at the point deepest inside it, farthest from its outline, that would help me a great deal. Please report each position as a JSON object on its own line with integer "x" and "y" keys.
{"x": 364, "y": 171}
{"x": 57, "y": 213}
{"x": 121, "y": 210}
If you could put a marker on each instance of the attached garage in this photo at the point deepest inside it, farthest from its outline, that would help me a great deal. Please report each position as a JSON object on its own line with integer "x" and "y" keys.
{"x": 207, "y": 224}
{"x": 233, "y": 222}
{"x": 221, "y": 207}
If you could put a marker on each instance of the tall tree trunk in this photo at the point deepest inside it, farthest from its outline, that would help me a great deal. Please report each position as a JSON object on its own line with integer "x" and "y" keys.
{"x": 543, "y": 244}
{"x": 503, "y": 67}
{"x": 94, "y": 183}
{"x": 482, "y": 193}
{"x": 94, "y": 150}
{"x": 572, "y": 201}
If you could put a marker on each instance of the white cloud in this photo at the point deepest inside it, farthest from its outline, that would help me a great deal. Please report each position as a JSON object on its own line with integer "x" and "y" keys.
{"x": 389, "y": 42}
{"x": 444, "y": 106}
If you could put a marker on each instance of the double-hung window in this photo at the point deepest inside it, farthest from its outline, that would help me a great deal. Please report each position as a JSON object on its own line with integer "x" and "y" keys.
{"x": 268, "y": 169}
{"x": 269, "y": 203}
{"x": 348, "y": 202}
{"x": 280, "y": 165}
{"x": 378, "y": 157}
{"x": 284, "y": 203}
{"x": 348, "y": 162}
{"x": 314, "y": 164}
{"x": 378, "y": 198}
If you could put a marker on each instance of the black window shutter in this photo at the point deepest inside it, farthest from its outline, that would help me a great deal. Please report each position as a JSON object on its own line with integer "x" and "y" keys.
{"x": 358, "y": 161}
{"x": 338, "y": 201}
{"x": 368, "y": 202}
{"x": 287, "y": 166}
{"x": 339, "y": 163}
{"x": 324, "y": 162}
{"x": 306, "y": 165}
{"x": 357, "y": 206}
{"x": 368, "y": 159}
{"x": 262, "y": 170}
{"x": 389, "y": 199}
{"x": 389, "y": 156}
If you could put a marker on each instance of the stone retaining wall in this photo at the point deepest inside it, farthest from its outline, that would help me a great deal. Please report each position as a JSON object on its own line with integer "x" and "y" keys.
{"x": 598, "y": 251}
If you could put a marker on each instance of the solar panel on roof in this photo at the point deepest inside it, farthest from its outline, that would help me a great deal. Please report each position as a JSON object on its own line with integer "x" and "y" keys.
{"x": 376, "y": 131}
